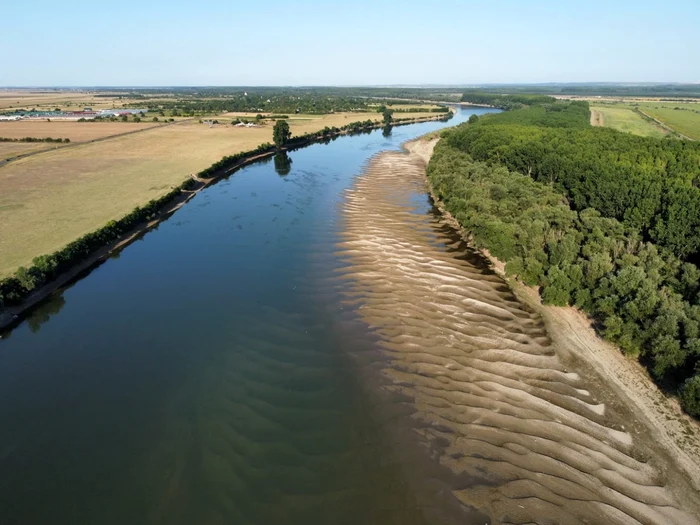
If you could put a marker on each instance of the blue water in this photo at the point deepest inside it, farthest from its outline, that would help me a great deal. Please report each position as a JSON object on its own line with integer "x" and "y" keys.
{"x": 208, "y": 373}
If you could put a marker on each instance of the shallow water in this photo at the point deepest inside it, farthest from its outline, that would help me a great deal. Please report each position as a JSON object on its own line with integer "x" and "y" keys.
{"x": 211, "y": 372}
{"x": 518, "y": 423}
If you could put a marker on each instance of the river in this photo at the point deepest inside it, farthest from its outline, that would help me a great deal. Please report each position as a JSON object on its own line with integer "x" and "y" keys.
{"x": 211, "y": 373}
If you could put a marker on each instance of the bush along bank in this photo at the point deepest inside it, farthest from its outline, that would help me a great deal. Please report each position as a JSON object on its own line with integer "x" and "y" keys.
{"x": 46, "y": 269}
{"x": 642, "y": 297}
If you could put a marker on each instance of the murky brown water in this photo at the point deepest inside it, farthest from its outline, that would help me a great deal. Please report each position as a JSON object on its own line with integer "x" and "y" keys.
{"x": 484, "y": 387}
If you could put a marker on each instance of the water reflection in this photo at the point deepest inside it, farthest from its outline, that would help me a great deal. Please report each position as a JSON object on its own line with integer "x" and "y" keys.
{"x": 43, "y": 313}
{"x": 283, "y": 163}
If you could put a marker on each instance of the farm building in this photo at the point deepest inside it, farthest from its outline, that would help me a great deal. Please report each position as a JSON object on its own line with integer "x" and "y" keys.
{"x": 120, "y": 112}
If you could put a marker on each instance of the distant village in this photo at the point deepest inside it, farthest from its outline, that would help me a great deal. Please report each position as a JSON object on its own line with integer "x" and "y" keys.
{"x": 86, "y": 113}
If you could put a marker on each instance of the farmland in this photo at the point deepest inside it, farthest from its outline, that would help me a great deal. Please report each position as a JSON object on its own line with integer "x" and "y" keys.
{"x": 75, "y": 131}
{"x": 626, "y": 119}
{"x": 12, "y": 149}
{"x": 53, "y": 197}
{"x": 675, "y": 118}
{"x": 12, "y": 99}
{"x": 683, "y": 118}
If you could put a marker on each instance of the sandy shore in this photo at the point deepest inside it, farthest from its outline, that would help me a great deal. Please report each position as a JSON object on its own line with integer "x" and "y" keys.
{"x": 678, "y": 433}
{"x": 538, "y": 420}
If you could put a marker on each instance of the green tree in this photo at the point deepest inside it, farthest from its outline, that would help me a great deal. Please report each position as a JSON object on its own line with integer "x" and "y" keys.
{"x": 387, "y": 114}
{"x": 281, "y": 133}
{"x": 557, "y": 290}
{"x": 690, "y": 396}
{"x": 473, "y": 119}
{"x": 26, "y": 278}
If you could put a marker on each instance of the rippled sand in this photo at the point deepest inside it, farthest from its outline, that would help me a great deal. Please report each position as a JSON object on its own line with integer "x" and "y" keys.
{"x": 493, "y": 400}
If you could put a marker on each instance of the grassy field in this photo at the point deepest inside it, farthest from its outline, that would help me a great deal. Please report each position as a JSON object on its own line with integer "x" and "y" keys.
{"x": 73, "y": 130}
{"x": 627, "y": 120}
{"x": 53, "y": 197}
{"x": 70, "y": 100}
{"x": 12, "y": 149}
{"x": 685, "y": 121}
{"x": 73, "y": 100}
{"x": 682, "y": 117}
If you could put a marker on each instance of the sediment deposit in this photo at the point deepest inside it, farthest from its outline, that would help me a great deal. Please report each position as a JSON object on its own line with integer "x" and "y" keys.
{"x": 493, "y": 399}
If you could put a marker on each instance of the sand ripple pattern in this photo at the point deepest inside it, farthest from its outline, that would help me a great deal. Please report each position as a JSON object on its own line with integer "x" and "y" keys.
{"x": 492, "y": 399}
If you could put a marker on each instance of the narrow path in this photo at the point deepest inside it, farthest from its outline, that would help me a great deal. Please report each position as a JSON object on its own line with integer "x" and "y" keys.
{"x": 597, "y": 118}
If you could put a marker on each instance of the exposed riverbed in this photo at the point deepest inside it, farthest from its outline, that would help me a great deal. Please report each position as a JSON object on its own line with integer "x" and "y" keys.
{"x": 519, "y": 421}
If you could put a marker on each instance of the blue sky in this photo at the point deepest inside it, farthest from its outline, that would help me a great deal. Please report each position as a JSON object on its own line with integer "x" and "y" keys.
{"x": 304, "y": 42}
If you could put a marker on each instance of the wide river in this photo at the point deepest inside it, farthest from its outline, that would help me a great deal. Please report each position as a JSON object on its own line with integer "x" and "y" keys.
{"x": 211, "y": 373}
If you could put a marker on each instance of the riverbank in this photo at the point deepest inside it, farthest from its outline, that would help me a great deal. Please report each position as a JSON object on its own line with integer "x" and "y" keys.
{"x": 13, "y": 315}
{"x": 523, "y": 427}
{"x": 658, "y": 419}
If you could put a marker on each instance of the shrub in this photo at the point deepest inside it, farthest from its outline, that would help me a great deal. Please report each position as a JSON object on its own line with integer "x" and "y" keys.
{"x": 690, "y": 396}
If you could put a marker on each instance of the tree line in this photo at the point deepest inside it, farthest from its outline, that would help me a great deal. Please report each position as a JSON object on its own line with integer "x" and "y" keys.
{"x": 13, "y": 290}
{"x": 506, "y": 184}
{"x": 33, "y": 139}
{"x": 504, "y": 101}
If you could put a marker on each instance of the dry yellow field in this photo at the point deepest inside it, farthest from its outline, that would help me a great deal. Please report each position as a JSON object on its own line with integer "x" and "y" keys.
{"x": 73, "y": 130}
{"x": 54, "y": 197}
{"x": 55, "y": 99}
{"x": 12, "y": 149}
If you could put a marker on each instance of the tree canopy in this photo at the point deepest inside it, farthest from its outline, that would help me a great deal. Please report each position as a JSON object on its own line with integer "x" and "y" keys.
{"x": 595, "y": 218}
{"x": 281, "y": 133}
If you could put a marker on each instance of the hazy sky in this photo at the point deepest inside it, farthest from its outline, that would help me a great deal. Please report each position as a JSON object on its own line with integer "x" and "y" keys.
{"x": 304, "y": 42}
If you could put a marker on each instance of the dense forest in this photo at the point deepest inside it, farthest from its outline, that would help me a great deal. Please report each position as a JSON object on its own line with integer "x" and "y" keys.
{"x": 438, "y": 93}
{"x": 649, "y": 184}
{"x": 690, "y": 91}
{"x": 260, "y": 100}
{"x": 250, "y": 102}
{"x": 593, "y": 217}
{"x": 505, "y": 101}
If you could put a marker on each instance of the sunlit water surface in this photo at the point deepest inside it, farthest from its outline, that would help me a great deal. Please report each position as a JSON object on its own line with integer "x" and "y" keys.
{"x": 210, "y": 373}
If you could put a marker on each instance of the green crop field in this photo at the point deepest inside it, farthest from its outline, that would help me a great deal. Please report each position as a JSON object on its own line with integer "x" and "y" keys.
{"x": 680, "y": 117}
{"x": 626, "y": 119}
{"x": 685, "y": 120}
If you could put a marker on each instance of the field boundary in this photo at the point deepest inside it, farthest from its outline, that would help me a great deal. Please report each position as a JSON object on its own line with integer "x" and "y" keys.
{"x": 13, "y": 315}
{"x": 100, "y": 139}
{"x": 659, "y": 123}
